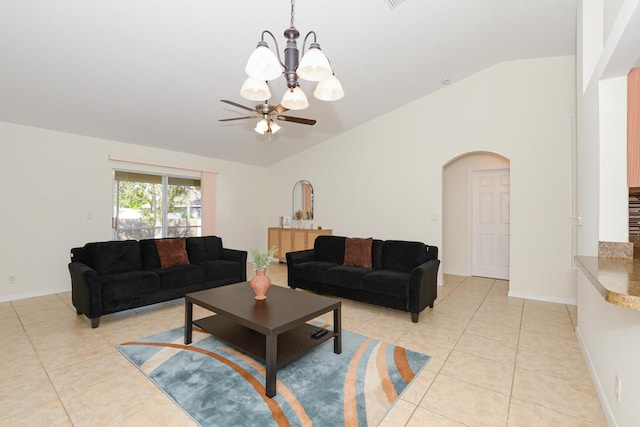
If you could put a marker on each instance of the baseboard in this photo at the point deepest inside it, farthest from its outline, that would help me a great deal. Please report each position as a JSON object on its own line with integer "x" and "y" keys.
{"x": 567, "y": 301}
{"x": 38, "y": 293}
{"x": 451, "y": 273}
{"x": 608, "y": 413}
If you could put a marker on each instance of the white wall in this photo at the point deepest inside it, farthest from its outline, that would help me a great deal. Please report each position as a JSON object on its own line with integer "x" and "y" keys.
{"x": 456, "y": 209}
{"x": 611, "y": 9}
{"x": 609, "y": 335}
{"x": 614, "y": 197}
{"x": 610, "y": 339}
{"x": 384, "y": 178}
{"x": 588, "y": 50}
{"x": 591, "y": 16}
{"x": 51, "y": 180}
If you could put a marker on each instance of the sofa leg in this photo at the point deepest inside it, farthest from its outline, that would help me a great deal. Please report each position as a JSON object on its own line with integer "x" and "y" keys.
{"x": 414, "y": 317}
{"x": 78, "y": 312}
{"x": 95, "y": 322}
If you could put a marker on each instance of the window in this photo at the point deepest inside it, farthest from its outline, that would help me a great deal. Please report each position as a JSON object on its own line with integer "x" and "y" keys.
{"x": 147, "y": 206}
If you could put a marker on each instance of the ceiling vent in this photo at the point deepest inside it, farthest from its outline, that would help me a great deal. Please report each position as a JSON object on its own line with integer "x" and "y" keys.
{"x": 393, "y": 3}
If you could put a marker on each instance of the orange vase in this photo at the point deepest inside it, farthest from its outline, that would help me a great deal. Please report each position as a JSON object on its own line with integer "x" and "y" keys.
{"x": 260, "y": 283}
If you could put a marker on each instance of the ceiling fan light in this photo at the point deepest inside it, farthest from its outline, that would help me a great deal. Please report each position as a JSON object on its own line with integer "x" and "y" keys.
{"x": 255, "y": 90}
{"x": 314, "y": 65}
{"x": 274, "y": 126}
{"x": 262, "y": 126}
{"x": 263, "y": 64}
{"x": 295, "y": 99}
{"x": 329, "y": 89}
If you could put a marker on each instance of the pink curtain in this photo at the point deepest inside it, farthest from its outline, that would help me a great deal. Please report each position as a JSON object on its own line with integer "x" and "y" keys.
{"x": 208, "y": 193}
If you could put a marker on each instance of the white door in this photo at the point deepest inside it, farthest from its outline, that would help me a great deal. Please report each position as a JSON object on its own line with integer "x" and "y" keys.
{"x": 490, "y": 224}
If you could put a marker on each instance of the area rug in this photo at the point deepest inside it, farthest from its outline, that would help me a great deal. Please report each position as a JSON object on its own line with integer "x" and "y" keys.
{"x": 217, "y": 385}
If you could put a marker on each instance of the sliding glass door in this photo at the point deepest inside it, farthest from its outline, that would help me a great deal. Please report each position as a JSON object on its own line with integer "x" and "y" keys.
{"x": 147, "y": 206}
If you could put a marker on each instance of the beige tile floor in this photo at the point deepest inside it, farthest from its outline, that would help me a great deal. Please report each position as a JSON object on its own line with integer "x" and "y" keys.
{"x": 496, "y": 361}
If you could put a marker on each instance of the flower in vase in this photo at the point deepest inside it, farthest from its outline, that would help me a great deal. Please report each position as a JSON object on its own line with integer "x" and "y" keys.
{"x": 261, "y": 260}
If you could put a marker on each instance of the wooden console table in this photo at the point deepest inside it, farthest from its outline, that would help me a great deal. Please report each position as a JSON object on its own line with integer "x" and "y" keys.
{"x": 293, "y": 239}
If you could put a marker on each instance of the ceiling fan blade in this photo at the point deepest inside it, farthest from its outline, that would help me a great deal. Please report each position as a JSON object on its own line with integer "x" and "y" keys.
{"x": 235, "y": 104}
{"x": 237, "y": 118}
{"x": 278, "y": 109}
{"x": 297, "y": 120}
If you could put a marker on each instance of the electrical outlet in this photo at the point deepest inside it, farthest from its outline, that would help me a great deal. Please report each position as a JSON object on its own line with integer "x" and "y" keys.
{"x": 12, "y": 279}
{"x": 618, "y": 388}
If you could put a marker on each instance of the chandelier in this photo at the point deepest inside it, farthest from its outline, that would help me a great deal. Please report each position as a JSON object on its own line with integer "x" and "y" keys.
{"x": 264, "y": 65}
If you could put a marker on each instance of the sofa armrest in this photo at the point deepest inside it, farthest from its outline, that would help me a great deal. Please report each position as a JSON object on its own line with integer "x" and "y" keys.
{"x": 300, "y": 256}
{"x": 86, "y": 290}
{"x": 236, "y": 256}
{"x": 295, "y": 258}
{"x": 423, "y": 286}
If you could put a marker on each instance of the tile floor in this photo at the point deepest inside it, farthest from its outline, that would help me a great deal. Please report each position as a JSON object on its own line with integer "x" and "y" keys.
{"x": 496, "y": 361}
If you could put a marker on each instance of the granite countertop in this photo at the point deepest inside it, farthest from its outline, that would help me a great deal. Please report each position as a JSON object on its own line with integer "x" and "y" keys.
{"x": 617, "y": 279}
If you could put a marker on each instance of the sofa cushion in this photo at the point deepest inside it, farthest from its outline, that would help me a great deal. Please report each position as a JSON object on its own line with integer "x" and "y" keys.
{"x": 79, "y": 255}
{"x": 387, "y": 282}
{"x": 357, "y": 252}
{"x": 221, "y": 269}
{"x": 329, "y": 249}
{"x": 314, "y": 271}
{"x": 432, "y": 252}
{"x": 172, "y": 252}
{"x": 120, "y": 286}
{"x": 113, "y": 257}
{"x": 346, "y": 276}
{"x": 181, "y": 276}
{"x": 376, "y": 253}
{"x": 204, "y": 248}
{"x": 149, "y": 254}
{"x": 403, "y": 256}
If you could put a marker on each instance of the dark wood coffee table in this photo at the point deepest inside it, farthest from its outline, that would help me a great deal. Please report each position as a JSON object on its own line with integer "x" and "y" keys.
{"x": 274, "y": 330}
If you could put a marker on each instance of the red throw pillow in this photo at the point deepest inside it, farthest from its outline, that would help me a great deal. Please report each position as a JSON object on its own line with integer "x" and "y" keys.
{"x": 357, "y": 252}
{"x": 172, "y": 252}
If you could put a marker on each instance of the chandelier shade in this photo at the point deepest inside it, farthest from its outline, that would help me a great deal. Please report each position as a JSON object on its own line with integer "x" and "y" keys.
{"x": 314, "y": 65}
{"x": 263, "y": 64}
{"x": 295, "y": 99}
{"x": 255, "y": 90}
{"x": 329, "y": 89}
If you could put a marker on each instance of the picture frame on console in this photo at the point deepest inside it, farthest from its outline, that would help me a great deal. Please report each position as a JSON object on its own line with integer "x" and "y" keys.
{"x": 285, "y": 222}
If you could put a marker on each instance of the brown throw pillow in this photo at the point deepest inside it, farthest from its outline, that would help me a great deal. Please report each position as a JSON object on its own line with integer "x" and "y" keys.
{"x": 172, "y": 252}
{"x": 357, "y": 252}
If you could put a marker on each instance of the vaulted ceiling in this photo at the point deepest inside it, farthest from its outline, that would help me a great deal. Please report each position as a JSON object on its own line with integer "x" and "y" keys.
{"x": 153, "y": 72}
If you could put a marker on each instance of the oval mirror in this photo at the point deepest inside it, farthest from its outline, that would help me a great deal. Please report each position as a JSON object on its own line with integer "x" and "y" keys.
{"x": 302, "y": 200}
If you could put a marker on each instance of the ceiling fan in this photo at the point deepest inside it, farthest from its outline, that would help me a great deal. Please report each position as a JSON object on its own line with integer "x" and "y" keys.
{"x": 267, "y": 113}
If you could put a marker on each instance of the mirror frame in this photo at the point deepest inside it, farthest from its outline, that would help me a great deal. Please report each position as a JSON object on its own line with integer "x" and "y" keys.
{"x": 304, "y": 200}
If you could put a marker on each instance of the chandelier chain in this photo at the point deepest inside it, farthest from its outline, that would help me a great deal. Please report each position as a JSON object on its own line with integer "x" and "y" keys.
{"x": 293, "y": 3}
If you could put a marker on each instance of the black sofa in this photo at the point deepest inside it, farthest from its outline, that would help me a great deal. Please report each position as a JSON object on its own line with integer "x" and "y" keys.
{"x": 107, "y": 277}
{"x": 399, "y": 274}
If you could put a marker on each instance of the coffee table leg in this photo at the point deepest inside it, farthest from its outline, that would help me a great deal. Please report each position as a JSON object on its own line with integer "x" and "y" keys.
{"x": 271, "y": 364}
{"x": 188, "y": 321}
{"x": 337, "y": 328}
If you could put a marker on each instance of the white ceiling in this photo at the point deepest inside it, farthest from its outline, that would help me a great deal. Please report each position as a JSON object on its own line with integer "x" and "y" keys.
{"x": 152, "y": 72}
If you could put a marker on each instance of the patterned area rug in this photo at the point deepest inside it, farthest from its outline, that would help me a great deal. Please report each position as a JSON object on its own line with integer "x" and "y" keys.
{"x": 217, "y": 385}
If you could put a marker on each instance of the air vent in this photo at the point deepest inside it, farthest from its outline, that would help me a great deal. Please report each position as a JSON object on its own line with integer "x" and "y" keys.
{"x": 393, "y": 3}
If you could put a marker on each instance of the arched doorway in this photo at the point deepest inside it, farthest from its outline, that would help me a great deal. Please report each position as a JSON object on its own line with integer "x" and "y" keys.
{"x": 463, "y": 178}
